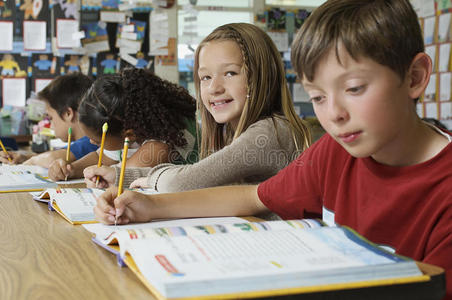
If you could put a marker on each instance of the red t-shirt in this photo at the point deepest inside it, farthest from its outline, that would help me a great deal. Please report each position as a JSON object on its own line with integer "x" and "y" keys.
{"x": 406, "y": 208}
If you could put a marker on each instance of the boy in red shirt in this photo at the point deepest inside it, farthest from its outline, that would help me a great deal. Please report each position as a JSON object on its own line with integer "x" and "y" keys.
{"x": 379, "y": 169}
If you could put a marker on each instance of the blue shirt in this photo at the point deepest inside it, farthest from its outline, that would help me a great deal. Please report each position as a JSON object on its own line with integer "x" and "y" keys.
{"x": 81, "y": 147}
{"x": 43, "y": 65}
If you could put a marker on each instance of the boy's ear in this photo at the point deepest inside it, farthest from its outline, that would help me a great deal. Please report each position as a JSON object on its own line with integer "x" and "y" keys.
{"x": 70, "y": 115}
{"x": 419, "y": 74}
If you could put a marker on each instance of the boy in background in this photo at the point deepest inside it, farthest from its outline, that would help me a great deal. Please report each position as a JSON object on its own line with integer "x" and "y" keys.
{"x": 62, "y": 97}
{"x": 380, "y": 169}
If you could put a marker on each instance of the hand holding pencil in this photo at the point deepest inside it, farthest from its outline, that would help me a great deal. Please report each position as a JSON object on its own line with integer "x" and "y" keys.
{"x": 5, "y": 152}
{"x": 123, "y": 168}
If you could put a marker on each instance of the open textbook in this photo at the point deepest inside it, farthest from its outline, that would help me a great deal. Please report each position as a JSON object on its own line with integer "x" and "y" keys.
{"x": 75, "y": 204}
{"x": 21, "y": 178}
{"x": 251, "y": 259}
{"x": 27, "y": 178}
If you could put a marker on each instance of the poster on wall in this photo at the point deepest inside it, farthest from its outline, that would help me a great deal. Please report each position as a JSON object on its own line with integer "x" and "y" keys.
{"x": 44, "y": 65}
{"x": 73, "y": 63}
{"x": 107, "y": 63}
{"x": 31, "y": 10}
{"x": 13, "y": 65}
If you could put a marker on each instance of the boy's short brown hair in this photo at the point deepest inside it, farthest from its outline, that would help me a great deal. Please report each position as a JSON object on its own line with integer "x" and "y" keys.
{"x": 386, "y": 31}
{"x": 65, "y": 91}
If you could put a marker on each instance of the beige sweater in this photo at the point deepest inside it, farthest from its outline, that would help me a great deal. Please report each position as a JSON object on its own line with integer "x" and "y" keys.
{"x": 257, "y": 154}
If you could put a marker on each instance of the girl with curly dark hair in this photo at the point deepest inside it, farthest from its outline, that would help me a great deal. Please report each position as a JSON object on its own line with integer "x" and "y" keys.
{"x": 156, "y": 115}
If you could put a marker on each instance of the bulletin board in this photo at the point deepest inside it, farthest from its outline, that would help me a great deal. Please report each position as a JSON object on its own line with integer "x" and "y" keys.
{"x": 42, "y": 39}
{"x": 435, "y": 20}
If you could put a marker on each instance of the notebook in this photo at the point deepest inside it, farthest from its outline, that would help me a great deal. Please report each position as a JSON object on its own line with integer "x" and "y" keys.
{"x": 254, "y": 259}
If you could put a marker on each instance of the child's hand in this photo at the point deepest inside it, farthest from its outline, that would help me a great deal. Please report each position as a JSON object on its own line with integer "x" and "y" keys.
{"x": 34, "y": 160}
{"x": 139, "y": 183}
{"x": 129, "y": 207}
{"x": 60, "y": 170}
{"x": 107, "y": 176}
{"x": 16, "y": 158}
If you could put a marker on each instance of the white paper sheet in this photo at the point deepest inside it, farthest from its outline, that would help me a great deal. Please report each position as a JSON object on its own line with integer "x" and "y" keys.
{"x": 6, "y": 33}
{"x": 446, "y": 110}
{"x": 444, "y": 57}
{"x": 444, "y": 86}
{"x": 14, "y": 91}
{"x": 65, "y": 30}
{"x": 35, "y": 35}
{"x": 429, "y": 30}
{"x": 443, "y": 27}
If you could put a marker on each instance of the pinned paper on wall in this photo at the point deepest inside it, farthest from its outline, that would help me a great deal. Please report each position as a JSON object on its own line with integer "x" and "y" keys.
{"x": 6, "y": 33}
{"x": 431, "y": 51}
{"x": 444, "y": 86}
{"x": 190, "y": 24}
{"x": 429, "y": 30}
{"x": 427, "y": 8}
{"x": 35, "y": 35}
{"x": 159, "y": 32}
{"x": 14, "y": 91}
{"x": 446, "y": 111}
{"x": 430, "y": 91}
{"x": 65, "y": 30}
{"x": 444, "y": 27}
{"x": 41, "y": 83}
{"x": 444, "y": 57}
{"x": 113, "y": 16}
{"x": 431, "y": 110}
{"x": 130, "y": 36}
{"x": 420, "y": 109}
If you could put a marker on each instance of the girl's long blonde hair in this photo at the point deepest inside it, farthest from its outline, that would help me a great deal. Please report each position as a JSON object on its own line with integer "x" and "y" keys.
{"x": 268, "y": 93}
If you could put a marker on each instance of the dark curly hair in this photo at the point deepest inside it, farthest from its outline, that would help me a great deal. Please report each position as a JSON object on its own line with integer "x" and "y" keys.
{"x": 137, "y": 100}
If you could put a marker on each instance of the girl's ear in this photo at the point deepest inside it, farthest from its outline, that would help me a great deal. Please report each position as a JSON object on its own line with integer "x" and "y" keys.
{"x": 419, "y": 74}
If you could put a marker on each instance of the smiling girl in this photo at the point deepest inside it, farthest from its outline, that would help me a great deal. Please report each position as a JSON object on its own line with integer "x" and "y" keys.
{"x": 250, "y": 130}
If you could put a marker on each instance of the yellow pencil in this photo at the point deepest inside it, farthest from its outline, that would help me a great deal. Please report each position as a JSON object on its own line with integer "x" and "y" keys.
{"x": 4, "y": 150}
{"x": 68, "y": 150}
{"x": 123, "y": 168}
{"x": 101, "y": 152}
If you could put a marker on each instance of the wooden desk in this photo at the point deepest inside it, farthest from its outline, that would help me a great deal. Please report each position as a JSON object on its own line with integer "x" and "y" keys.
{"x": 43, "y": 256}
